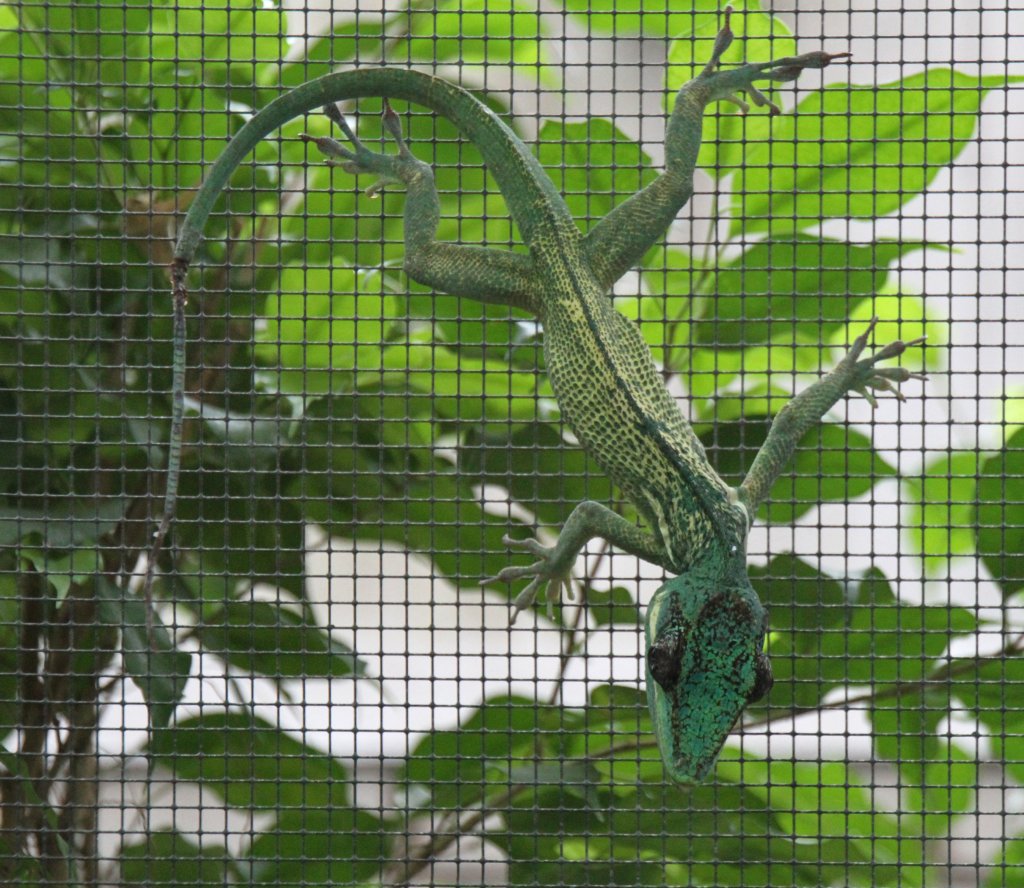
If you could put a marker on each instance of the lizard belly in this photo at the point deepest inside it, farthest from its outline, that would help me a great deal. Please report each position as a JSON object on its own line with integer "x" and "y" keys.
{"x": 615, "y": 401}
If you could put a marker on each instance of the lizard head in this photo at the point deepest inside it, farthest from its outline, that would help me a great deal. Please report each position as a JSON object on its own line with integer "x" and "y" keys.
{"x": 705, "y": 663}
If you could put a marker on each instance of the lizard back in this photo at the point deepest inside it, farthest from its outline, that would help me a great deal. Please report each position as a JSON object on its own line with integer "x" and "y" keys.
{"x": 615, "y": 401}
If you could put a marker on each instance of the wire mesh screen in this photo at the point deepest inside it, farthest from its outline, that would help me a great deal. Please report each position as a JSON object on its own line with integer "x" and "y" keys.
{"x": 316, "y": 686}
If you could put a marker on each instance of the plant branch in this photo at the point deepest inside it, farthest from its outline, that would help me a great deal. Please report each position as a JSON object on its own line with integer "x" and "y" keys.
{"x": 402, "y": 874}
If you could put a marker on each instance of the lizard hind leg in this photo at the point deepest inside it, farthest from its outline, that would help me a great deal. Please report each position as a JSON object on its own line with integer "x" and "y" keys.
{"x": 403, "y": 167}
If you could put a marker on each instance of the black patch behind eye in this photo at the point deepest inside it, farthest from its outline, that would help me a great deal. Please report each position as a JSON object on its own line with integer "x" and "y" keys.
{"x": 664, "y": 658}
{"x": 763, "y": 678}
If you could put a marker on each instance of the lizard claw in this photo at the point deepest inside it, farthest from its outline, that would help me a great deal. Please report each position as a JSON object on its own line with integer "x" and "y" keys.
{"x": 528, "y": 545}
{"x": 546, "y": 577}
{"x": 330, "y": 147}
{"x": 868, "y": 376}
{"x": 862, "y": 390}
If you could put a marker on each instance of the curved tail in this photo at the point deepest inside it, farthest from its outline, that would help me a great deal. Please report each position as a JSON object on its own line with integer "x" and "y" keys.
{"x": 522, "y": 181}
{"x": 531, "y": 198}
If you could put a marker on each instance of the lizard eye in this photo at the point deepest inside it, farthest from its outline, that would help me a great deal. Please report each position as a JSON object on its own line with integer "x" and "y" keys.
{"x": 665, "y": 659}
{"x": 763, "y": 679}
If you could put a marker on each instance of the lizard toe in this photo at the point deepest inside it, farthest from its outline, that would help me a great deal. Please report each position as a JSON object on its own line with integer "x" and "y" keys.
{"x": 512, "y": 573}
{"x": 530, "y": 545}
{"x": 525, "y": 599}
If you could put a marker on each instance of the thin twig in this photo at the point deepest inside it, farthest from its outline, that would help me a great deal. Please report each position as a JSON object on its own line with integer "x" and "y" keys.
{"x": 570, "y": 632}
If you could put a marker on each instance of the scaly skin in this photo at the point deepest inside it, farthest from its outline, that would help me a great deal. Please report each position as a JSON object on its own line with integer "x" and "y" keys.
{"x": 705, "y": 627}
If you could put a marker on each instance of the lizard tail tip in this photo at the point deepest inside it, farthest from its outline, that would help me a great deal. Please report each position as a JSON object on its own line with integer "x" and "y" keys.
{"x": 393, "y": 124}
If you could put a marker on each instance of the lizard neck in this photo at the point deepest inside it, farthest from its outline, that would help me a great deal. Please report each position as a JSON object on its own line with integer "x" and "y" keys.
{"x": 707, "y": 528}
{"x": 720, "y": 563}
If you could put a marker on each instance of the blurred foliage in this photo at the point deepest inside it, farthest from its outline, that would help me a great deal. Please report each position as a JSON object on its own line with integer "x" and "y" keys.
{"x": 326, "y": 389}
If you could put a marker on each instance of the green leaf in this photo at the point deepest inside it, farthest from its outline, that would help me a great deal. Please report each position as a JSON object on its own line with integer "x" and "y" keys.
{"x": 1000, "y": 515}
{"x": 484, "y": 33}
{"x": 155, "y": 665}
{"x": 11, "y": 604}
{"x": 241, "y": 43}
{"x": 828, "y": 806}
{"x": 538, "y": 467}
{"x": 1011, "y": 414}
{"x": 273, "y": 640}
{"x": 658, "y": 834}
{"x": 310, "y": 846}
{"x": 31, "y": 264}
{"x": 60, "y": 522}
{"x": 666, "y": 304}
{"x": 616, "y": 715}
{"x": 1007, "y": 870}
{"x": 206, "y": 866}
{"x": 22, "y": 783}
{"x": 992, "y": 690}
{"x": 192, "y": 126}
{"x": 885, "y": 640}
{"x": 904, "y": 731}
{"x": 832, "y": 463}
{"x": 594, "y": 165}
{"x": 323, "y": 321}
{"x": 352, "y": 39}
{"x": 456, "y": 384}
{"x": 814, "y": 283}
{"x": 613, "y": 606}
{"x": 806, "y": 607}
{"x": 650, "y": 18}
{"x": 947, "y": 790}
{"x": 937, "y": 779}
{"x": 454, "y": 767}
{"x": 94, "y": 38}
{"x": 239, "y": 525}
{"x": 76, "y": 567}
{"x": 939, "y": 519}
{"x": 372, "y": 491}
{"x": 250, "y": 763}
{"x": 856, "y": 151}
{"x": 890, "y": 641}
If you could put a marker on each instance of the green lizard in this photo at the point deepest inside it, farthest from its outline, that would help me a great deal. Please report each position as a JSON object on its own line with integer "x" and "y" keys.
{"x": 705, "y": 627}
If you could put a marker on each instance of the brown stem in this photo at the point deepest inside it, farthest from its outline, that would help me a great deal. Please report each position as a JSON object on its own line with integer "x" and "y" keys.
{"x": 402, "y": 873}
{"x": 20, "y": 817}
{"x": 569, "y": 635}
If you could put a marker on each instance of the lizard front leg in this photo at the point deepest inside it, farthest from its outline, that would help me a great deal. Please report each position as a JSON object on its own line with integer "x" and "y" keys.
{"x": 619, "y": 241}
{"x": 853, "y": 373}
{"x": 552, "y": 572}
{"x": 486, "y": 275}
